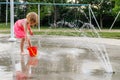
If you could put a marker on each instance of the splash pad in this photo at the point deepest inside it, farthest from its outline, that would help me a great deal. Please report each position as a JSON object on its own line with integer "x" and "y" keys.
{"x": 63, "y": 57}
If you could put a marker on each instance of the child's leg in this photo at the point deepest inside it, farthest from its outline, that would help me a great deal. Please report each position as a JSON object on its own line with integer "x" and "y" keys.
{"x": 22, "y": 45}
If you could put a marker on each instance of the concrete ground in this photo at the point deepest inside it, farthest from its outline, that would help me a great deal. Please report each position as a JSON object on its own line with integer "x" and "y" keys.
{"x": 94, "y": 40}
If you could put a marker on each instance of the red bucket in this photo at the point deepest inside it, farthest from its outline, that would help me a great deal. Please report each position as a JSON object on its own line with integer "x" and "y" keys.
{"x": 32, "y": 51}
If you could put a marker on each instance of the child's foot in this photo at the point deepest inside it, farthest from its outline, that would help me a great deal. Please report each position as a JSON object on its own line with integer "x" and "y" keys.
{"x": 20, "y": 75}
{"x": 22, "y": 53}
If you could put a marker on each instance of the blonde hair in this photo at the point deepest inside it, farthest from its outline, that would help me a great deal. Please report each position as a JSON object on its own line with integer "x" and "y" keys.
{"x": 32, "y": 17}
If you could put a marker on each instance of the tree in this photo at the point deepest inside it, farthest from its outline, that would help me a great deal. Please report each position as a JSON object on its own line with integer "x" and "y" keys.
{"x": 116, "y": 8}
{"x": 2, "y": 11}
{"x": 100, "y": 7}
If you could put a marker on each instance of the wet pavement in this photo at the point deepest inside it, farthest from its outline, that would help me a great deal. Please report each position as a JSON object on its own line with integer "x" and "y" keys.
{"x": 59, "y": 58}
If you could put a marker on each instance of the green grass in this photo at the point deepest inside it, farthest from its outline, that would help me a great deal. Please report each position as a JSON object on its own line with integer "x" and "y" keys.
{"x": 105, "y": 33}
{"x": 4, "y": 26}
{"x": 63, "y": 31}
{"x": 115, "y": 35}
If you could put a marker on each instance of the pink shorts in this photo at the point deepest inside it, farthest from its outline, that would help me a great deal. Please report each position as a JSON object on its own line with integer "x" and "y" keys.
{"x": 19, "y": 29}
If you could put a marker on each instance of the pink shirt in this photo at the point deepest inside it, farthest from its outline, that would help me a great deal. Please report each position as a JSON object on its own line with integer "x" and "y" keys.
{"x": 19, "y": 29}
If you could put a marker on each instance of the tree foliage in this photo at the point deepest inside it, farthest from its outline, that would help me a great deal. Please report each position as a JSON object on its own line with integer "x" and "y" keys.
{"x": 116, "y": 9}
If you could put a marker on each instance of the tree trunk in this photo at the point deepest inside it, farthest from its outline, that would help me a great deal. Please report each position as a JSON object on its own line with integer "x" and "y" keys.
{"x": 55, "y": 17}
{"x": 101, "y": 21}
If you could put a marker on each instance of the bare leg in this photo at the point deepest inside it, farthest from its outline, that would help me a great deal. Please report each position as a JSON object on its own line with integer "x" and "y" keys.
{"x": 22, "y": 45}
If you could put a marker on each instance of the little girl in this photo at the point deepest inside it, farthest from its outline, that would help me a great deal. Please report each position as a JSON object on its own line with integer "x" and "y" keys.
{"x": 23, "y": 26}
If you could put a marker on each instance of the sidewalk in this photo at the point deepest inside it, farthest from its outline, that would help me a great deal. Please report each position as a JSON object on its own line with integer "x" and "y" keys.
{"x": 4, "y": 35}
{"x": 92, "y": 40}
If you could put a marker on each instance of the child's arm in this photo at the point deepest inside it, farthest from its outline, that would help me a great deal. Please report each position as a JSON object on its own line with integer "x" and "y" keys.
{"x": 29, "y": 42}
{"x": 30, "y": 31}
{"x": 26, "y": 31}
